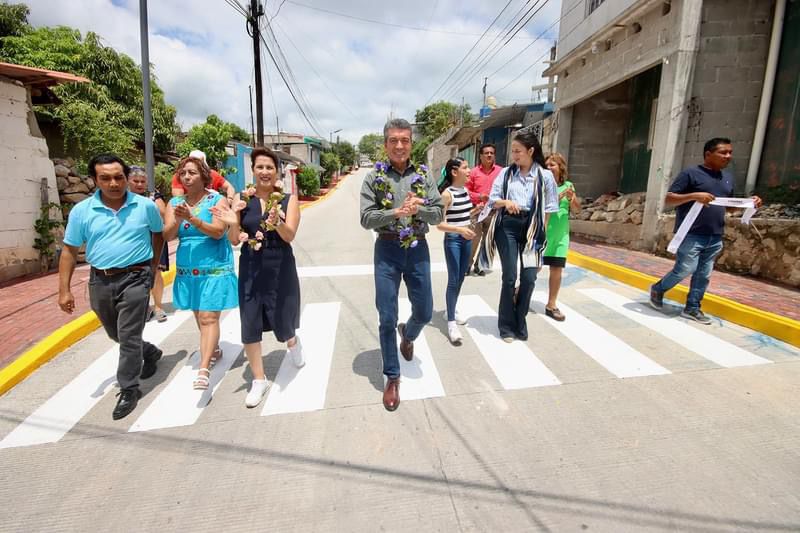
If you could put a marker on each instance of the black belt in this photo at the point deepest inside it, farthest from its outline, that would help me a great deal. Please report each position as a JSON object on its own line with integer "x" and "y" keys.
{"x": 121, "y": 270}
{"x": 523, "y": 213}
{"x": 396, "y": 237}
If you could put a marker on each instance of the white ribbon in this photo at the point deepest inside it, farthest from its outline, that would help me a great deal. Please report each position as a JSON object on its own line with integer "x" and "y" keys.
{"x": 741, "y": 203}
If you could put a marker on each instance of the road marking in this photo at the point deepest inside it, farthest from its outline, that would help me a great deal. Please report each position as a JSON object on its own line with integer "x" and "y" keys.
{"x": 298, "y": 390}
{"x": 59, "y": 414}
{"x": 703, "y": 344}
{"x": 179, "y": 404}
{"x": 419, "y": 377}
{"x": 514, "y": 364}
{"x": 606, "y": 349}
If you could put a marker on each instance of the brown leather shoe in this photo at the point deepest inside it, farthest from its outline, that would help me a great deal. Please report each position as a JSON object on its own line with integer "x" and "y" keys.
{"x": 406, "y": 346}
{"x": 555, "y": 314}
{"x": 391, "y": 394}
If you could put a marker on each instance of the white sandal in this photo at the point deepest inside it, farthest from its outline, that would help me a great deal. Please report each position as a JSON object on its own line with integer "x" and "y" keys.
{"x": 216, "y": 355}
{"x": 201, "y": 382}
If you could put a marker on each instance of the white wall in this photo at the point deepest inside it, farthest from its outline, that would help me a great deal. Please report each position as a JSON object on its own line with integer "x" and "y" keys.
{"x": 576, "y": 27}
{"x": 23, "y": 163}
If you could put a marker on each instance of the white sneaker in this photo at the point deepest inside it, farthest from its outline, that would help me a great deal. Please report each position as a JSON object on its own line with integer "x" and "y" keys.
{"x": 454, "y": 333}
{"x": 459, "y": 320}
{"x": 296, "y": 353}
{"x": 258, "y": 388}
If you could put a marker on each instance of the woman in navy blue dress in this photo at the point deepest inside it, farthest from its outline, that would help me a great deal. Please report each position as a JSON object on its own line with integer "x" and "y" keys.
{"x": 265, "y": 221}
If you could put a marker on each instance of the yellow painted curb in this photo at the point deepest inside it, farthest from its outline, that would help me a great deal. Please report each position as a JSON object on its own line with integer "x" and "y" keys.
{"x": 75, "y": 330}
{"x": 780, "y": 327}
{"x": 325, "y": 197}
{"x": 54, "y": 344}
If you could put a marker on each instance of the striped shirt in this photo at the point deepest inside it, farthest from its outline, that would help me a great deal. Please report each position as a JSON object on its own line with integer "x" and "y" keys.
{"x": 458, "y": 212}
{"x": 520, "y": 189}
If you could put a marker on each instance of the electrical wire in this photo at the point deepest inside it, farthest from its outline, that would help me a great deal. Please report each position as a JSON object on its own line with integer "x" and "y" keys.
{"x": 239, "y": 8}
{"x": 455, "y": 69}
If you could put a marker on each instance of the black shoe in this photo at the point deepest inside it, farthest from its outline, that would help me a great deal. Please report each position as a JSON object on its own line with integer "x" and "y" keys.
{"x": 128, "y": 399}
{"x": 696, "y": 315}
{"x": 149, "y": 366}
{"x": 656, "y": 299}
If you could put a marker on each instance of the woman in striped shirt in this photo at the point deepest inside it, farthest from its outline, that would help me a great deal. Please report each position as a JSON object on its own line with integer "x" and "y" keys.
{"x": 458, "y": 237}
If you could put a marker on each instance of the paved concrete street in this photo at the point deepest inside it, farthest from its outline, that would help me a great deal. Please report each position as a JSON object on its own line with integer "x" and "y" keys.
{"x": 618, "y": 419}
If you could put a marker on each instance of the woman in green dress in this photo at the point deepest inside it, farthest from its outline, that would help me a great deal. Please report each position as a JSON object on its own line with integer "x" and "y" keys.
{"x": 555, "y": 255}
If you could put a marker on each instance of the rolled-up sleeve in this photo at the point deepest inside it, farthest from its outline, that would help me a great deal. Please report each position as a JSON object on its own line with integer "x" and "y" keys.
{"x": 372, "y": 215}
{"x": 550, "y": 192}
{"x": 497, "y": 188}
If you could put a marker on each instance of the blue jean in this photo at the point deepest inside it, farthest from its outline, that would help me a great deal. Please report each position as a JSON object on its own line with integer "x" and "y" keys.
{"x": 510, "y": 237}
{"x": 457, "y": 252}
{"x": 695, "y": 256}
{"x": 412, "y": 265}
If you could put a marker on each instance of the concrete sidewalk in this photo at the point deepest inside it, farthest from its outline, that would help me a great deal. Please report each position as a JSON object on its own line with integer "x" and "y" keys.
{"x": 746, "y": 290}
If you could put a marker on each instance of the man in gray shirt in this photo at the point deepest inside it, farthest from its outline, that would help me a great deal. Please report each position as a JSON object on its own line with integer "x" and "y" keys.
{"x": 398, "y": 201}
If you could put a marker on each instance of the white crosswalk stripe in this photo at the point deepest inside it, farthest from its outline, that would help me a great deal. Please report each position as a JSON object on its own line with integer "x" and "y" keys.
{"x": 703, "y": 344}
{"x": 419, "y": 377}
{"x": 63, "y": 410}
{"x": 298, "y": 390}
{"x": 514, "y": 364}
{"x": 179, "y": 404}
{"x": 607, "y": 349}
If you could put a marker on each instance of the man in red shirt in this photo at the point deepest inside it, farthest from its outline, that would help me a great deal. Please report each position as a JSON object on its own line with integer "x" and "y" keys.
{"x": 218, "y": 183}
{"x": 479, "y": 184}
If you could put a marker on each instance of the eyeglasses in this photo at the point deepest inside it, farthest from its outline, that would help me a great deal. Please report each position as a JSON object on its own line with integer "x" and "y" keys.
{"x": 394, "y": 141}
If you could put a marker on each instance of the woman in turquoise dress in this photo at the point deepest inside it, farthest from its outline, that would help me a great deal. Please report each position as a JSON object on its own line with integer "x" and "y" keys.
{"x": 206, "y": 280}
{"x": 555, "y": 255}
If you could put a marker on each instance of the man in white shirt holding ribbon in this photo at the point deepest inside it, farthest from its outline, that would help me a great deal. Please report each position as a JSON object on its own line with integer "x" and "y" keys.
{"x": 701, "y": 195}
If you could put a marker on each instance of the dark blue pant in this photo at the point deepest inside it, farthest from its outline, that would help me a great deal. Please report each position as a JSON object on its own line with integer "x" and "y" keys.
{"x": 457, "y": 252}
{"x": 510, "y": 236}
{"x": 412, "y": 265}
{"x": 695, "y": 256}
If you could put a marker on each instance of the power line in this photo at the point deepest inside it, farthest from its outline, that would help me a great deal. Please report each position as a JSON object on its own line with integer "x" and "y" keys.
{"x": 478, "y": 63}
{"x": 380, "y": 22}
{"x": 455, "y": 69}
{"x": 286, "y": 34}
{"x": 278, "y": 12}
{"x": 239, "y": 8}
{"x": 469, "y": 75}
{"x": 286, "y": 82}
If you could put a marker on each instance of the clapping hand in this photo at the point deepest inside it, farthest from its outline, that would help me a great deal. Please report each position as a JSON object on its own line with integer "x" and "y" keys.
{"x": 182, "y": 211}
{"x": 225, "y": 213}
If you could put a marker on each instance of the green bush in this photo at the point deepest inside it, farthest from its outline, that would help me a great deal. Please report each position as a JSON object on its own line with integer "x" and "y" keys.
{"x": 308, "y": 182}
{"x": 330, "y": 164}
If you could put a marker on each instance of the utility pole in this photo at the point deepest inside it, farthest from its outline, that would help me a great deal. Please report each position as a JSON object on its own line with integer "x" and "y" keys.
{"x": 256, "y": 12}
{"x": 551, "y": 83}
{"x": 148, "y": 111}
{"x": 252, "y": 126}
{"x": 485, "y": 81}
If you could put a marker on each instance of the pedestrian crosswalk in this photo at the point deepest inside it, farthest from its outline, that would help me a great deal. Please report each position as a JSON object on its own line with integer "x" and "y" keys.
{"x": 515, "y": 365}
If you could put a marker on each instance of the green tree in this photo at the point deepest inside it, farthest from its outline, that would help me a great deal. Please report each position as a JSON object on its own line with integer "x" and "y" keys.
{"x": 435, "y": 119}
{"x": 308, "y": 182}
{"x": 370, "y": 145}
{"x": 346, "y": 153}
{"x": 104, "y": 115}
{"x": 14, "y": 19}
{"x": 212, "y": 136}
{"x": 330, "y": 164}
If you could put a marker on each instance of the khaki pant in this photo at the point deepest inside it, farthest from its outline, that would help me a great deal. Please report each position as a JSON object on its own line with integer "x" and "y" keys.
{"x": 480, "y": 229}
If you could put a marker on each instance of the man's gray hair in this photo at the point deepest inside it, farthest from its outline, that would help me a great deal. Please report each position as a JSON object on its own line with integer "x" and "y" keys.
{"x": 395, "y": 124}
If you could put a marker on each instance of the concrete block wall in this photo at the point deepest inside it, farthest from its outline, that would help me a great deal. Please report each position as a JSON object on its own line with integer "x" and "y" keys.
{"x": 23, "y": 163}
{"x": 630, "y": 54}
{"x": 729, "y": 74}
{"x": 598, "y": 129}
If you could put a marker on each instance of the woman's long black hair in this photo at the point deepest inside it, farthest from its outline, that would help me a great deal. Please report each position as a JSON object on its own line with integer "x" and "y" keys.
{"x": 528, "y": 139}
{"x": 447, "y": 179}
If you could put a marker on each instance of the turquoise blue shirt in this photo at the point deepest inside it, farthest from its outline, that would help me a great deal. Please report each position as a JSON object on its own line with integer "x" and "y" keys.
{"x": 114, "y": 239}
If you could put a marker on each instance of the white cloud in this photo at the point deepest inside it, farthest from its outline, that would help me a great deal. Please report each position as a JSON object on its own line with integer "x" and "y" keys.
{"x": 203, "y": 56}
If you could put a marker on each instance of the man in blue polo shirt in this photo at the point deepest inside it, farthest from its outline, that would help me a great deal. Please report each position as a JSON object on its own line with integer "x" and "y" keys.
{"x": 121, "y": 230}
{"x": 703, "y": 243}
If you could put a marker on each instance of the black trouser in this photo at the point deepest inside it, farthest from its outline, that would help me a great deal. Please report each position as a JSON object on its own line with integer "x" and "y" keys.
{"x": 120, "y": 302}
{"x": 510, "y": 238}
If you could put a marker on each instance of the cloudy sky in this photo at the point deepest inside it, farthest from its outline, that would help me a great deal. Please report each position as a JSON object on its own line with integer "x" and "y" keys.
{"x": 353, "y": 73}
